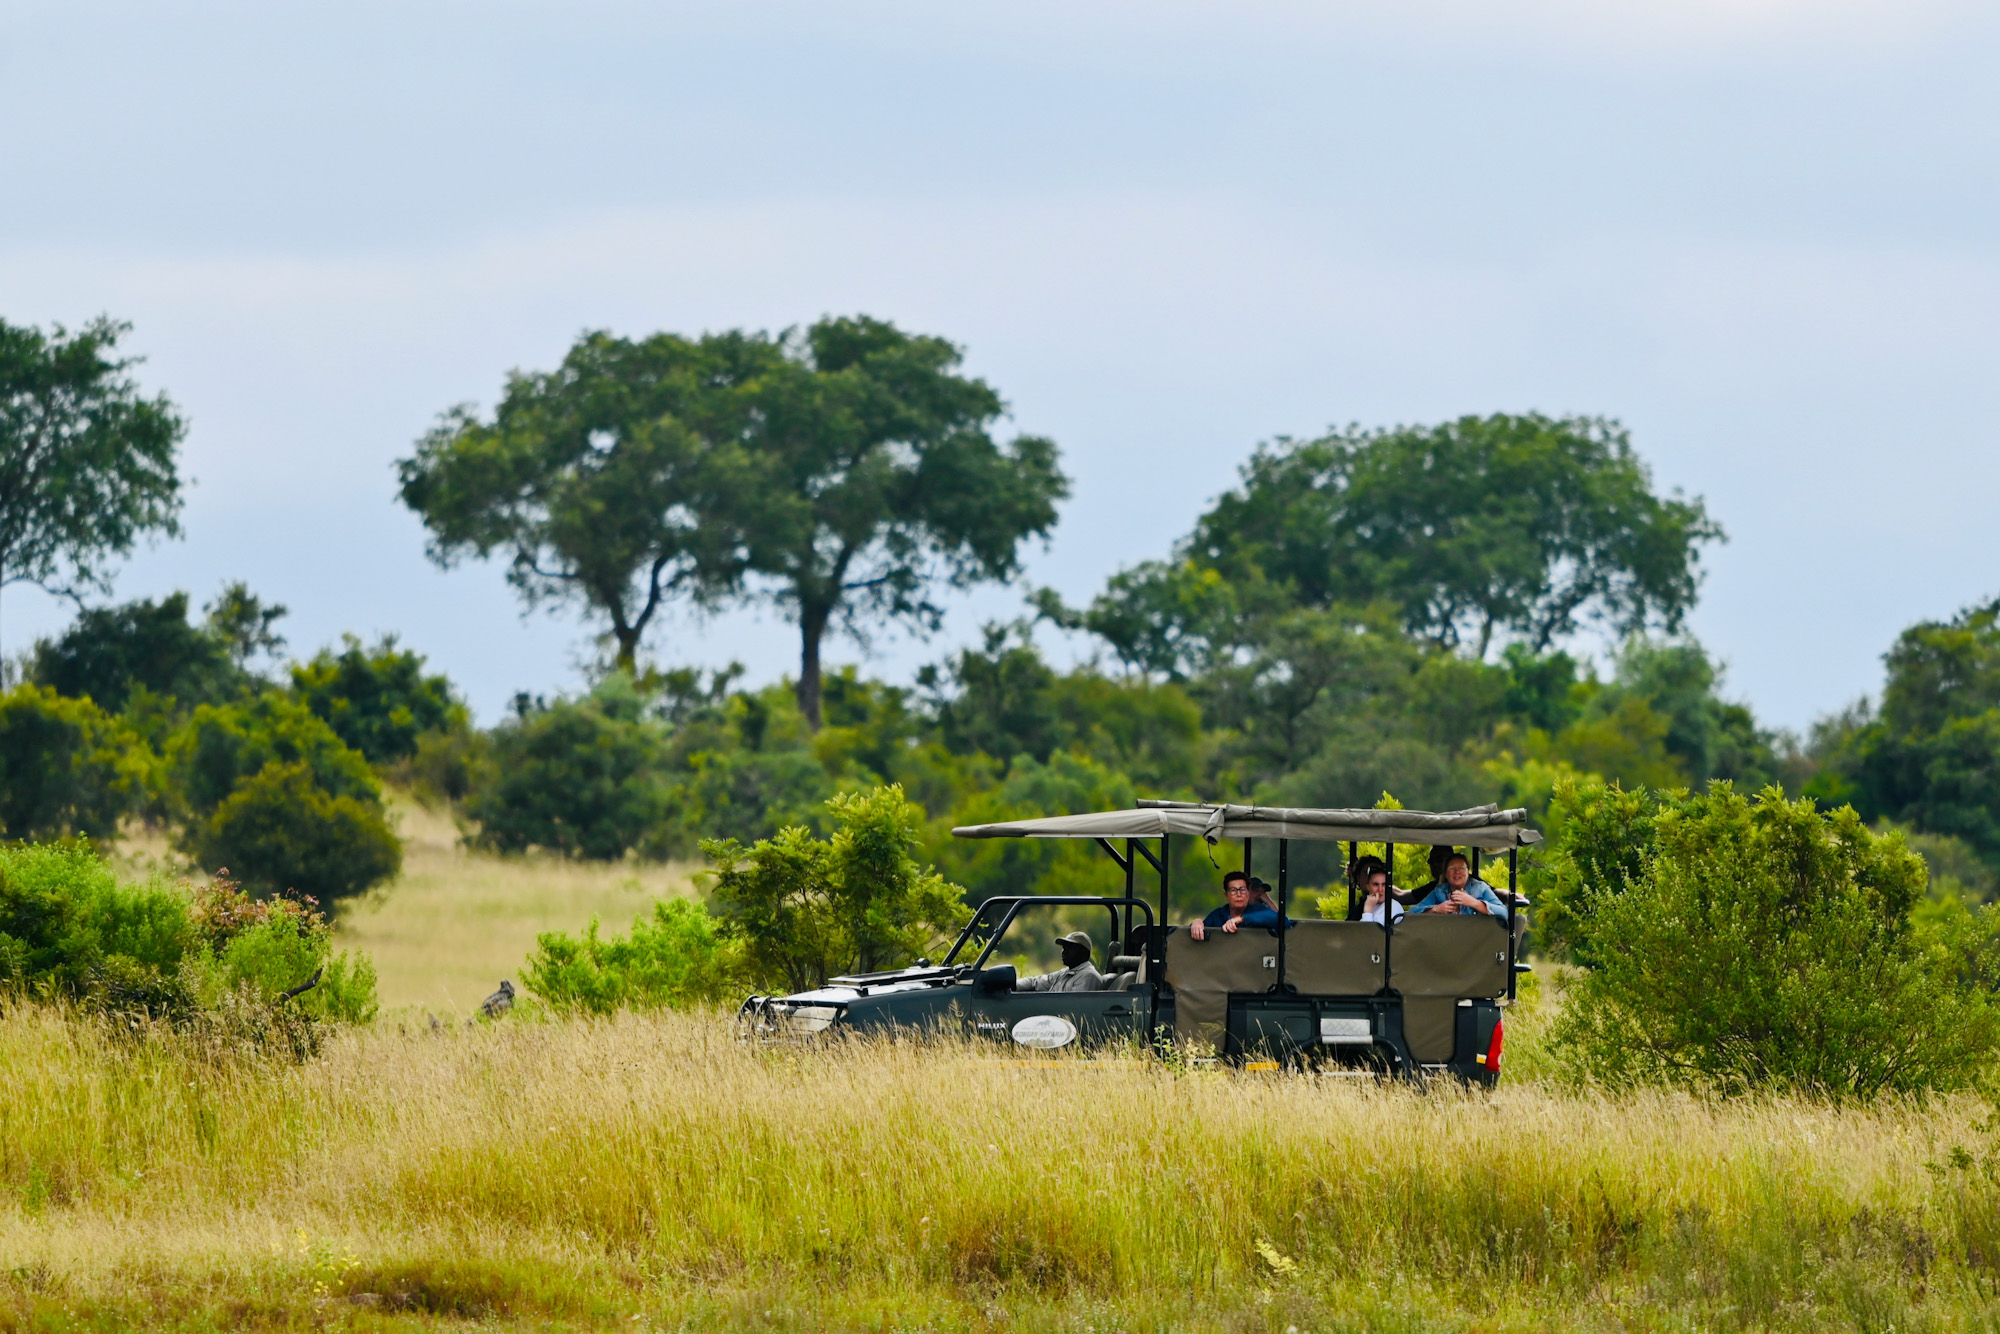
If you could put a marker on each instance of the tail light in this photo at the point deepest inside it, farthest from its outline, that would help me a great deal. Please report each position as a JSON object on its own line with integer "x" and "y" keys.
{"x": 1491, "y": 1060}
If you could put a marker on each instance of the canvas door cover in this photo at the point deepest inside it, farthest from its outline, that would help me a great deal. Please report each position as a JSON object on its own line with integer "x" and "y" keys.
{"x": 1435, "y": 962}
{"x": 1205, "y": 973}
{"x": 1334, "y": 958}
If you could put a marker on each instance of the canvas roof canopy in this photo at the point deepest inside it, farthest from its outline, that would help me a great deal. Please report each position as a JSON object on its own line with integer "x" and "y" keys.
{"x": 1486, "y": 827}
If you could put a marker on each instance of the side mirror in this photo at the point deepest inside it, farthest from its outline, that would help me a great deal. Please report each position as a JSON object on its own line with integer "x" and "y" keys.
{"x": 993, "y": 981}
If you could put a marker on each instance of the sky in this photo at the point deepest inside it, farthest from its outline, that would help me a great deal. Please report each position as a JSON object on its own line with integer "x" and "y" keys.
{"x": 1763, "y": 235}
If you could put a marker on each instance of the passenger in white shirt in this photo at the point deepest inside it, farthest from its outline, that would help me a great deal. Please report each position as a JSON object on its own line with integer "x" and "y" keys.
{"x": 1377, "y": 887}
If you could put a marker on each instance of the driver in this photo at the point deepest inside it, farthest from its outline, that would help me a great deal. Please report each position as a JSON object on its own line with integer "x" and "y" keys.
{"x": 1078, "y": 973}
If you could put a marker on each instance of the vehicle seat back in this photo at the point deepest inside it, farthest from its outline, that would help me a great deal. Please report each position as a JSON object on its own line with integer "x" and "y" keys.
{"x": 1326, "y": 958}
{"x": 1124, "y": 972}
{"x": 1451, "y": 955}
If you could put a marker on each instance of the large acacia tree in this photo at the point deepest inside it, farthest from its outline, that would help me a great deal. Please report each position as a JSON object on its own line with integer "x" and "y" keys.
{"x": 881, "y": 482}
{"x": 87, "y": 463}
{"x": 1524, "y": 526}
{"x": 844, "y": 473}
{"x": 612, "y": 481}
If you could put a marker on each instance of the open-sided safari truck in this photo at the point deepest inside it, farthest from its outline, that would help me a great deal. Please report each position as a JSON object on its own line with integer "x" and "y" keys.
{"x": 1423, "y": 995}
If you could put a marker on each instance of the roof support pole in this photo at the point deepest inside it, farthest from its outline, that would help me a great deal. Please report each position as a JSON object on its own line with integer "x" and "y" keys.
{"x": 1388, "y": 910}
{"x": 1158, "y": 945}
{"x": 1284, "y": 877}
{"x": 1351, "y": 859}
{"x": 1130, "y": 870}
{"x": 1513, "y": 893}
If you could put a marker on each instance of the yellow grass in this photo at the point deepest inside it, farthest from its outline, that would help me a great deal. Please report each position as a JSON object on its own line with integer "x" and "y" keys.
{"x": 658, "y": 1168}
{"x": 454, "y": 923}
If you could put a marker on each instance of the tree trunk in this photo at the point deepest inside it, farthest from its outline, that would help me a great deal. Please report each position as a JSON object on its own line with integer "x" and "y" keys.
{"x": 628, "y": 648}
{"x": 812, "y": 627}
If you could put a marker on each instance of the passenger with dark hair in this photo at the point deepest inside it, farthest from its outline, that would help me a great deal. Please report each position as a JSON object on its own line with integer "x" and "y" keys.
{"x": 1375, "y": 887}
{"x": 1239, "y": 909}
{"x": 1460, "y": 893}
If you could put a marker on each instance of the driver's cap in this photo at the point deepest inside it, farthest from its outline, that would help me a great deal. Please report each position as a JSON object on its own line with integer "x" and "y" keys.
{"x": 1075, "y": 938}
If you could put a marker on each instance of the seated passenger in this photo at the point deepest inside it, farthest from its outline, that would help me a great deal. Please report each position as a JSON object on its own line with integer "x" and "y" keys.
{"x": 1239, "y": 908}
{"x": 1078, "y": 973}
{"x": 1377, "y": 887}
{"x": 1460, "y": 893}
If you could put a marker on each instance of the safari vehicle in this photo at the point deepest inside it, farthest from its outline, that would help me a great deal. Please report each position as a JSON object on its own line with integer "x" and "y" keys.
{"x": 1422, "y": 996}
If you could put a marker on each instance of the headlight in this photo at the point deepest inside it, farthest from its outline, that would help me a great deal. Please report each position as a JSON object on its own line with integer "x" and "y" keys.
{"x": 811, "y": 1018}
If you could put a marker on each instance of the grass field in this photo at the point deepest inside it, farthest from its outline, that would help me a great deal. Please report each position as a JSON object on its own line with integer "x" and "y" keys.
{"x": 655, "y": 1173}
{"x": 445, "y": 932}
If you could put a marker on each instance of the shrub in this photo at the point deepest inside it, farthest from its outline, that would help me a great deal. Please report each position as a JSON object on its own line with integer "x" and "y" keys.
{"x": 681, "y": 957}
{"x": 270, "y": 792}
{"x": 1764, "y": 945}
{"x": 66, "y": 767}
{"x": 69, "y": 928}
{"x": 283, "y": 833}
{"x": 578, "y": 777}
{"x": 222, "y": 745}
{"x": 109, "y": 653}
{"x": 378, "y": 701}
{"x": 807, "y": 909}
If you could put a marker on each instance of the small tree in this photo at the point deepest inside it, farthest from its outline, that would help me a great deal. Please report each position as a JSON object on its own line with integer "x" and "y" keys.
{"x": 67, "y": 767}
{"x": 283, "y": 833}
{"x": 576, "y": 777}
{"x": 1763, "y": 945}
{"x": 87, "y": 465}
{"x": 268, "y": 790}
{"x": 378, "y": 701}
{"x": 110, "y": 653}
{"x": 807, "y": 909}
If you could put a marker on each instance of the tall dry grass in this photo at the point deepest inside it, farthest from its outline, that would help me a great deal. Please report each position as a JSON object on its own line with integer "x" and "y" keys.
{"x": 659, "y": 1168}
{"x": 445, "y": 931}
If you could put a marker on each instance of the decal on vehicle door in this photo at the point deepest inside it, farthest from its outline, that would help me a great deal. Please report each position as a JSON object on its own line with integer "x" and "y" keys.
{"x": 1045, "y": 1031}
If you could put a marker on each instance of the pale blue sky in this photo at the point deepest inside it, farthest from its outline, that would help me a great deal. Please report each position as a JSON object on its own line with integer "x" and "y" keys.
{"x": 1762, "y": 234}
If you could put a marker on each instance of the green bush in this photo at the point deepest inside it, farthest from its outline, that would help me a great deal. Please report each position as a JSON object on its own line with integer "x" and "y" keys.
{"x": 807, "y": 908}
{"x": 680, "y": 957}
{"x": 578, "y": 777}
{"x": 269, "y": 791}
{"x": 1761, "y": 944}
{"x": 66, "y": 767}
{"x": 221, "y": 745}
{"x": 280, "y": 832}
{"x": 69, "y": 928}
{"x": 110, "y": 653}
{"x": 378, "y": 701}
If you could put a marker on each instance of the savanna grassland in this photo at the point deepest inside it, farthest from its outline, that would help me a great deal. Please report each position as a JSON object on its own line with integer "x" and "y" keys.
{"x": 653, "y": 1172}
{"x": 656, "y": 1173}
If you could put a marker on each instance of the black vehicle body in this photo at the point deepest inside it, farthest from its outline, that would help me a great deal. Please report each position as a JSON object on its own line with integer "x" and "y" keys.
{"x": 1424, "y": 995}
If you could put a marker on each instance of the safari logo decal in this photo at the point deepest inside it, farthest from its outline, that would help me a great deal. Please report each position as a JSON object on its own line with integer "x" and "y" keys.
{"x": 1045, "y": 1032}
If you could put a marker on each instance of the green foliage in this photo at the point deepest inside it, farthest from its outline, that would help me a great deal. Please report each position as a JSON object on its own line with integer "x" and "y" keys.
{"x": 377, "y": 701}
{"x": 67, "y": 767}
{"x": 1762, "y": 945}
{"x": 69, "y": 928}
{"x": 87, "y": 464}
{"x": 613, "y": 481}
{"x": 281, "y": 832}
{"x": 268, "y": 790}
{"x": 1932, "y": 758}
{"x": 849, "y": 465}
{"x": 577, "y": 777}
{"x": 681, "y": 957}
{"x": 222, "y": 745}
{"x": 807, "y": 909}
{"x": 108, "y": 654}
{"x": 1566, "y": 527}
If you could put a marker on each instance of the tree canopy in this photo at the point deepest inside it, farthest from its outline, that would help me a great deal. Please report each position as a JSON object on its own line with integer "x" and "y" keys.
{"x": 1524, "y": 526}
{"x": 613, "y": 481}
{"x": 850, "y": 468}
{"x": 87, "y": 464}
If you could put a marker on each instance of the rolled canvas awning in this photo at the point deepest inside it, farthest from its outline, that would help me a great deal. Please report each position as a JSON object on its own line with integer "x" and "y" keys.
{"x": 1485, "y": 827}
